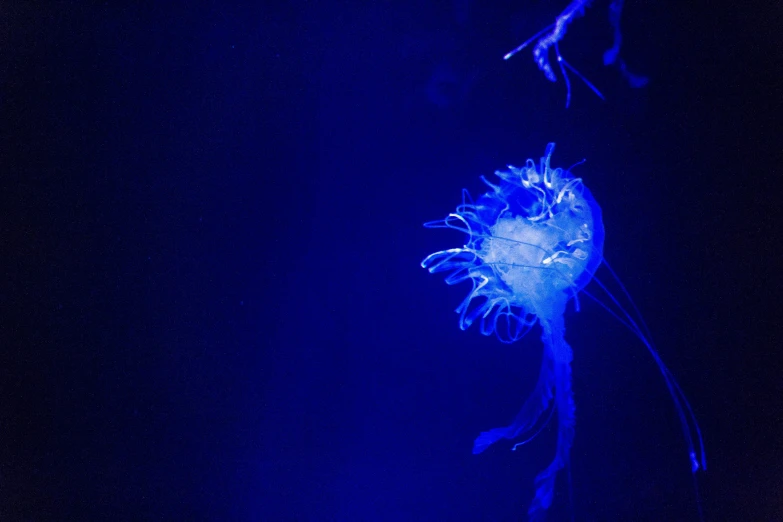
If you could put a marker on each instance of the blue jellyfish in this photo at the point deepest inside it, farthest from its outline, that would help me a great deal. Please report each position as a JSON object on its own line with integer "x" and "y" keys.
{"x": 551, "y": 35}
{"x": 534, "y": 241}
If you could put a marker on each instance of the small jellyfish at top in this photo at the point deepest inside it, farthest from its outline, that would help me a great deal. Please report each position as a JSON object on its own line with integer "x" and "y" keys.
{"x": 550, "y": 36}
{"x": 534, "y": 242}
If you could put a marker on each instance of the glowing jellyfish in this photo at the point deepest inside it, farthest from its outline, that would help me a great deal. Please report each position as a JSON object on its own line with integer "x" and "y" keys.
{"x": 533, "y": 243}
{"x": 550, "y": 36}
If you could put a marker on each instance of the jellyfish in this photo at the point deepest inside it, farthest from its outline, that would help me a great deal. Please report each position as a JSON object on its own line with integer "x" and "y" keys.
{"x": 551, "y": 35}
{"x": 534, "y": 241}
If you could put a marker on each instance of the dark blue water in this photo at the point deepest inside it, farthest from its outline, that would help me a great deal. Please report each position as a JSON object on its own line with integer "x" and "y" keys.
{"x": 211, "y": 305}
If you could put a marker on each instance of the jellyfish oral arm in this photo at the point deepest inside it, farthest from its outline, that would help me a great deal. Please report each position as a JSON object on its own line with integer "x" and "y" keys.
{"x": 541, "y": 50}
{"x": 561, "y": 354}
{"x": 558, "y": 31}
{"x": 535, "y": 405}
{"x": 551, "y": 36}
{"x": 612, "y": 55}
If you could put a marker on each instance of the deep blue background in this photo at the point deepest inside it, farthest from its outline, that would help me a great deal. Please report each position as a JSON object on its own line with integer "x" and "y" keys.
{"x": 212, "y": 306}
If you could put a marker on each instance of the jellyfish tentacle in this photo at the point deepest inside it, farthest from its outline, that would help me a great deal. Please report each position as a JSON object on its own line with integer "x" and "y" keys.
{"x": 697, "y": 458}
{"x": 535, "y": 405}
{"x": 612, "y": 55}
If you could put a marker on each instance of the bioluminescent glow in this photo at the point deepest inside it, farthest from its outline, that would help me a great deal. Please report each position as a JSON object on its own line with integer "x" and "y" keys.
{"x": 534, "y": 241}
{"x": 551, "y": 35}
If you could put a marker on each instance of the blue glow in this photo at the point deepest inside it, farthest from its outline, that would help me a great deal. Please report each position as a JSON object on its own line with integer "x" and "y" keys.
{"x": 533, "y": 243}
{"x": 551, "y": 36}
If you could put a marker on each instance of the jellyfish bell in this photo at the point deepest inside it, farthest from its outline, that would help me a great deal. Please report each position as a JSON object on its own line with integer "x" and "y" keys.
{"x": 534, "y": 241}
{"x": 548, "y": 239}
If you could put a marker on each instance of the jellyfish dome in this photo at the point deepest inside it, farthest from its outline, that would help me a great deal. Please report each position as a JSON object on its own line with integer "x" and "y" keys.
{"x": 545, "y": 233}
{"x": 533, "y": 241}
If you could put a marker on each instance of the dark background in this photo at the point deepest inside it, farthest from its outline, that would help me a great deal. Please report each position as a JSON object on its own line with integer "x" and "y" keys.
{"x": 212, "y": 305}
